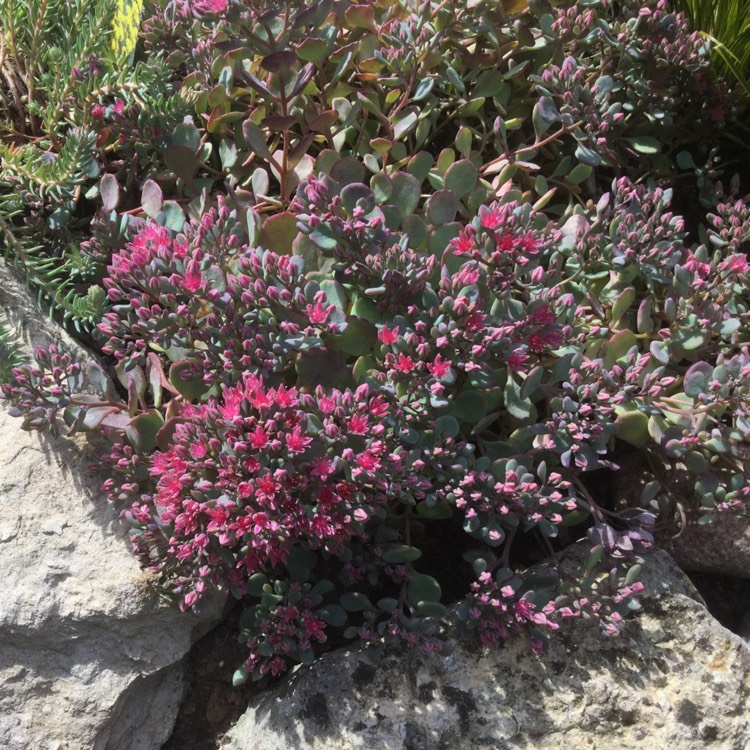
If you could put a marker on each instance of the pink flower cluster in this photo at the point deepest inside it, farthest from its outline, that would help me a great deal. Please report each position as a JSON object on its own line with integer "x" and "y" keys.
{"x": 263, "y": 469}
{"x": 236, "y": 307}
{"x": 496, "y": 611}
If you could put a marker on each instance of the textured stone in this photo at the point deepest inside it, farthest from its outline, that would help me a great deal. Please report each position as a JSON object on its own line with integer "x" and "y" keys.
{"x": 722, "y": 547}
{"x": 90, "y": 657}
{"x": 675, "y": 679}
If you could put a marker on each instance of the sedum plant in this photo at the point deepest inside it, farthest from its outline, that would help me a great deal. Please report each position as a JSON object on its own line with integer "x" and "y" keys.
{"x": 380, "y": 286}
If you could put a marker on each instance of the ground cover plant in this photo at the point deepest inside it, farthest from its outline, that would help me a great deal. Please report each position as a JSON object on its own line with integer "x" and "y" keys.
{"x": 380, "y": 288}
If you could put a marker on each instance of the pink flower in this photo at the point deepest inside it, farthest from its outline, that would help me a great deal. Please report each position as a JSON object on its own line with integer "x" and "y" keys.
{"x": 404, "y": 363}
{"x": 464, "y": 243}
{"x": 491, "y": 218}
{"x": 295, "y": 442}
{"x": 524, "y": 609}
{"x": 317, "y": 313}
{"x": 439, "y": 367}
{"x": 193, "y": 279}
{"x": 368, "y": 462}
{"x": 258, "y": 438}
{"x": 232, "y": 400}
{"x": 210, "y": 6}
{"x": 359, "y": 424}
{"x": 387, "y": 335}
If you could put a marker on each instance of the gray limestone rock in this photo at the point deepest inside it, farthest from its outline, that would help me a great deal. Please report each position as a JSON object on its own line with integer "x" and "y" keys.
{"x": 675, "y": 679}
{"x": 90, "y": 656}
{"x": 722, "y": 547}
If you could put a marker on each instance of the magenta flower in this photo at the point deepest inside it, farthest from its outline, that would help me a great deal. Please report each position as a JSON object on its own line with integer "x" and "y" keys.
{"x": 209, "y": 6}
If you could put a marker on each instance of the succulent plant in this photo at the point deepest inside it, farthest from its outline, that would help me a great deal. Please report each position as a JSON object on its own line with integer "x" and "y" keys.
{"x": 385, "y": 283}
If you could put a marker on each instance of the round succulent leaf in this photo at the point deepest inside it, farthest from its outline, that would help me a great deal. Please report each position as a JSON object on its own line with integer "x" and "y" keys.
{"x": 463, "y": 141}
{"x": 398, "y": 554}
{"x": 172, "y": 216}
{"x": 335, "y": 293}
{"x": 360, "y": 16}
{"x": 622, "y": 303}
{"x": 445, "y": 159}
{"x": 279, "y": 232}
{"x": 532, "y": 381}
{"x": 367, "y": 309}
{"x": 489, "y": 83}
{"x": 423, "y": 588}
{"x": 644, "y": 320}
{"x": 312, "y": 50}
{"x": 617, "y": 346}
{"x": 323, "y": 122}
{"x": 729, "y": 326}
{"x": 323, "y": 237}
{"x": 391, "y": 217}
{"x": 276, "y": 61}
{"x": 632, "y": 427}
{"x": 322, "y": 366}
{"x": 645, "y": 144}
{"x": 660, "y": 351}
{"x": 109, "y": 189}
{"x": 256, "y": 584}
{"x": 356, "y": 195}
{"x": 189, "y": 384}
{"x": 333, "y": 614}
{"x": 240, "y": 677}
{"x": 517, "y": 406}
{"x": 404, "y": 122}
{"x": 587, "y": 155}
{"x": 358, "y": 339}
{"x": 441, "y": 207}
{"x": 447, "y": 425}
{"x": 697, "y": 378}
{"x": 469, "y": 406}
{"x": 347, "y": 171}
{"x": 353, "y": 601}
{"x": 182, "y": 161}
{"x": 419, "y": 165}
{"x": 187, "y": 135}
{"x": 303, "y": 247}
{"x": 415, "y": 226}
{"x": 405, "y": 193}
{"x": 381, "y": 186}
{"x": 689, "y": 338}
{"x": 151, "y": 198}
{"x": 696, "y": 462}
{"x": 362, "y": 367}
{"x": 326, "y": 159}
{"x": 461, "y": 177}
{"x": 94, "y": 416}
{"x": 579, "y": 174}
{"x": 142, "y": 431}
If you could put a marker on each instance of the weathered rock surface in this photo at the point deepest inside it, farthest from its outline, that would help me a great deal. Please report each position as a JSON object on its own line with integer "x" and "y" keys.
{"x": 89, "y": 655}
{"x": 722, "y": 547}
{"x": 676, "y": 679}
